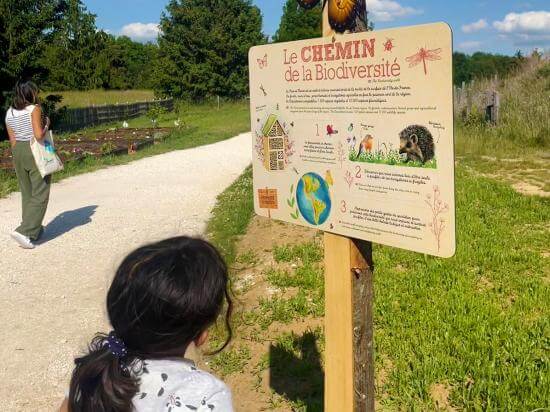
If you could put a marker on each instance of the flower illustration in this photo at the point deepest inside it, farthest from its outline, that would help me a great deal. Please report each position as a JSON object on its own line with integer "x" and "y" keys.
{"x": 438, "y": 207}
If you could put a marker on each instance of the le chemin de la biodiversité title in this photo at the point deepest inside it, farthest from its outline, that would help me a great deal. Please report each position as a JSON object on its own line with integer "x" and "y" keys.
{"x": 311, "y": 64}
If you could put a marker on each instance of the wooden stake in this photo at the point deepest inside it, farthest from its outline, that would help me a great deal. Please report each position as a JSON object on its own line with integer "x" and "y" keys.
{"x": 339, "y": 394}
{"x": 349, "y": 295}
{"x": 363, "y": 325}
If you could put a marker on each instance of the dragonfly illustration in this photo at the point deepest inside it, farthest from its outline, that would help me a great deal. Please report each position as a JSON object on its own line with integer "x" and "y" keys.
{"x": 423, "y": 55}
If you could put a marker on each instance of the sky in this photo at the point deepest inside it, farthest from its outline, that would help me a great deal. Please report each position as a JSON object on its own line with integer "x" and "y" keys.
{"x": 496, "y": 26}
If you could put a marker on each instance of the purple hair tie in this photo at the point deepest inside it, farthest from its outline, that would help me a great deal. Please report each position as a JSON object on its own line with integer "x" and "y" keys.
{"x": 116, "y": 346}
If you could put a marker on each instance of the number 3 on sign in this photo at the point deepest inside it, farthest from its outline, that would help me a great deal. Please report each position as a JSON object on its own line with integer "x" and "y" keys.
{"x": 343, "y": 207}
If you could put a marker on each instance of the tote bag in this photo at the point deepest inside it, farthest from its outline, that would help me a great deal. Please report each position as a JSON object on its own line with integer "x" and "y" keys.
{"x": 44, "y": 155}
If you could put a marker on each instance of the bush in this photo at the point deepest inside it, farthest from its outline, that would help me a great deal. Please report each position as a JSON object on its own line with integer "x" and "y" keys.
{"x": 154, "y": 114}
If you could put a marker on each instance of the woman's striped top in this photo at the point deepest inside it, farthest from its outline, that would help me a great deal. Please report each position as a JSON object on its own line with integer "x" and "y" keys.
{"x": 20, "y": 121}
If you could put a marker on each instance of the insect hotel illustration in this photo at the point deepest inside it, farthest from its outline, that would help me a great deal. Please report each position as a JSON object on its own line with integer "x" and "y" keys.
{"x": 275, "y": 142}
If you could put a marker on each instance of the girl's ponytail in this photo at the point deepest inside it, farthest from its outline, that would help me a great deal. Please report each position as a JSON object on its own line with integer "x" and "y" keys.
{"x": 102, "y": 380}
{"x": 162, "y": 298}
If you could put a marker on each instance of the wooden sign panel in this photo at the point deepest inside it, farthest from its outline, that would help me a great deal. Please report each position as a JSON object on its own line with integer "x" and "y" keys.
{"x": 267, "y": 198}
{"x": 355, "y": 133}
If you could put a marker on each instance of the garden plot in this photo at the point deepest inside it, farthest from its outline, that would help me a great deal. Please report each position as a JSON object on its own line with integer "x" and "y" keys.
{"x": 98, "y": 144}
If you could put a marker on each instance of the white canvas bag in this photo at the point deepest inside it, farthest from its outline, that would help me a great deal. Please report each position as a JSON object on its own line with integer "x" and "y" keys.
{"x": 44, "y": 155}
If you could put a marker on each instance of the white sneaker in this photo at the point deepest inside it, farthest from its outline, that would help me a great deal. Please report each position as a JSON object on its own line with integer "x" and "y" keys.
{"x": 23, "y": 240}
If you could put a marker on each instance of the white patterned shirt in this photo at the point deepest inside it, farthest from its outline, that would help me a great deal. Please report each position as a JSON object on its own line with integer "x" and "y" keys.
{"x": 20, "y": 121}
{"x": 175, "y": 385}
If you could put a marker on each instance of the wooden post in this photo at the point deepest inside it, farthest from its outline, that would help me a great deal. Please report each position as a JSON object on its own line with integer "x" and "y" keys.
{"x": 496, "y": 107}
{"x": 349, "y": 343}
{"x": 349, "y": 294}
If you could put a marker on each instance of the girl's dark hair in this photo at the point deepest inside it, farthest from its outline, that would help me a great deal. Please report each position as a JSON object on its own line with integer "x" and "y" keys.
{"x": 163, "y": 296}
{"x": 25, "y": 93}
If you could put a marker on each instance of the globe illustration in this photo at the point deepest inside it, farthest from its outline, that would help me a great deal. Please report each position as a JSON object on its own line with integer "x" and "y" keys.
{"x": 313, "y": 196}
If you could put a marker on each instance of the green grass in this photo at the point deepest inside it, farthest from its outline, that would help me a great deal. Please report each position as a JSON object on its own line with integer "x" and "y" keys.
{"x": 523, "y": 125}
{"x": 231, "y": 215}
{"x": 204, "y": 125}
{"x": 73, "y": 98}
{"x": 299, "y": 357}
{"x": 248, "y": 258}
{"x": 478, "y": 323}
{"x": 309, "y": 252}
{"x": 481, "y": 317}
{"x": 230, "y": 361}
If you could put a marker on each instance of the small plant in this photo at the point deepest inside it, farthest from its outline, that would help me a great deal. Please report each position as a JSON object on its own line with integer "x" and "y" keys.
{"x": 65, "y": 154}
{"x": 231, "y": 361}
{"x": 438, "y": 208}
{"x": 154, "y": 113}
{"x": 291, "y": 201}
{"x": 249, "y": 258}
{"x": 107, "y": 148}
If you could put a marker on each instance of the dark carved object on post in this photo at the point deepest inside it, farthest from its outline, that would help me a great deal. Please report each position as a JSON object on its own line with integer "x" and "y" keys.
{"x": 343, "y": 15}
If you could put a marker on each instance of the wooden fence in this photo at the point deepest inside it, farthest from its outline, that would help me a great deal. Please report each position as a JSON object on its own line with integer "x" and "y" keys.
{"x": 74, "y": 119}
{"x": 481, "y": 96}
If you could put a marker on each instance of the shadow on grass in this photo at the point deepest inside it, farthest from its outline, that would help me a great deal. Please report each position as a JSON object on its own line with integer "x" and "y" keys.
{"x": 296, "y": 372}
{"x": 67, "y": 221}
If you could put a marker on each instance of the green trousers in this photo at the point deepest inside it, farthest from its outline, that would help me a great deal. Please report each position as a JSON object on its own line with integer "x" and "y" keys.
{"x": 35, "y": 191}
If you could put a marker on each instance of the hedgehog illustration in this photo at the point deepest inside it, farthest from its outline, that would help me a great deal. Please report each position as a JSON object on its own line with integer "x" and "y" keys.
{"x": 417, "y": 143}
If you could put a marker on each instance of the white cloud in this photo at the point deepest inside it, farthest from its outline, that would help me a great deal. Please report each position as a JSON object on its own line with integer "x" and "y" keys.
{"x": 475, "y": 26}
{"x": 388, "y": 10}
{"x": 141, "y": 31}
{"x": 469, "y": 45}
{"x": 525, "y": 23}
{"x": 528, "y": 29}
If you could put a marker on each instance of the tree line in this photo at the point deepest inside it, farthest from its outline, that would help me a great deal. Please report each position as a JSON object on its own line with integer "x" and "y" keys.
{"x": 202, "y": 49}
{"x": 484, "y": 65}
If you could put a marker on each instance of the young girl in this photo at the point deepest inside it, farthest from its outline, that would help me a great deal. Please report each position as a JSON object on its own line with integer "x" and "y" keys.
{"x": 164, "y": 297}
{"x": 24, "y": 122}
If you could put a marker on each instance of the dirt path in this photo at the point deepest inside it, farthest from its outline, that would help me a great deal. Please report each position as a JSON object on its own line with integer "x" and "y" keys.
{"x": 53, "y": 297}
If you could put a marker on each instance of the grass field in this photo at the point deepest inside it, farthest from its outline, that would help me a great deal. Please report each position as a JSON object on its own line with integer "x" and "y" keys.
{"x": 467, "y": 333}
{"x": 204, "y": 124}
{"x": 86, "y": 98}
{"x": 471, "y": 332}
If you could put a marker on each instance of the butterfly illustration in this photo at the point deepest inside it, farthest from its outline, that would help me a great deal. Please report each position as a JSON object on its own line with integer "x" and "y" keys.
{"x": 423, "y": 55}
{"x": 330, "y": 130}
{"x": 263, "y": 62}
{"x": 341, "y": 13}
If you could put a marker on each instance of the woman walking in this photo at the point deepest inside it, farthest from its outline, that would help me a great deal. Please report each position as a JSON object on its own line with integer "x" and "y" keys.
{"x": 24, "y": 122}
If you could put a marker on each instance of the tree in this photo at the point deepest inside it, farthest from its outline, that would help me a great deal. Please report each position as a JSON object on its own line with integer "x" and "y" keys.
{"x": 74, "y": 57}
{"x": 203, "y": 47}
{"x": 298, "y": 23}
{"x": 130, "y": 63}
{"x": 26, "y": 26}
{"x": 483, "y": 65}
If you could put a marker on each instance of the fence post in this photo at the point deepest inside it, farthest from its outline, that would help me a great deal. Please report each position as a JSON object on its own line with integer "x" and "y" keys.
{"x": 496, "y": 107}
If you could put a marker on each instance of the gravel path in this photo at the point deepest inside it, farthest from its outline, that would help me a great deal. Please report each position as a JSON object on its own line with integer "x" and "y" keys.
{"x": 53, "y": 296}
